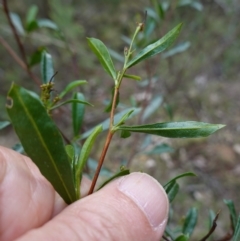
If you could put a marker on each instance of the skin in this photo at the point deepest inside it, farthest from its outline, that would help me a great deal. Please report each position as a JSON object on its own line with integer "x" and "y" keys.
{"x": 30, "y": 209}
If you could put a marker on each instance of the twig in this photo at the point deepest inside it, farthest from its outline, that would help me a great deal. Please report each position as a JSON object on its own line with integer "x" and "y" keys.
{"x": 13, "y": 53}
{"x": 214, "y": 225}
{"x": 20, "y": 46}
{"x": 107, "y": 143}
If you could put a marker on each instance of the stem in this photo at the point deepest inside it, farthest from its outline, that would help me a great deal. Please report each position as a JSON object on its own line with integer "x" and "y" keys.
{"x": 101, "y": 160}
{"x": 107, "y": 142}
{"x": 114, "y": 101}
{"x": 20, "y": 45}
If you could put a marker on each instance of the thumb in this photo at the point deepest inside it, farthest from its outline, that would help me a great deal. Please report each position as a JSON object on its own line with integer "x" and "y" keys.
{"x": 134, "y": 207}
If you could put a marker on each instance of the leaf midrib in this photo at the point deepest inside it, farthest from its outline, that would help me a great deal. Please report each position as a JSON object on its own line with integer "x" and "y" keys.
{"x": 44, "y": 145}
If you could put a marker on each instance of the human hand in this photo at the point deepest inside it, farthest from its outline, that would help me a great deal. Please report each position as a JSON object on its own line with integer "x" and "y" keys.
{"x": 134, "y": 207}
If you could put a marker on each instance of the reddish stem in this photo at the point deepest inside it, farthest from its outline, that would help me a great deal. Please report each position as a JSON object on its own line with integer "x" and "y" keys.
{"x": 107, "y": 142}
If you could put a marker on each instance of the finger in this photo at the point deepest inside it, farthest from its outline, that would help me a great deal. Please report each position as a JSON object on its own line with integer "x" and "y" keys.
{"x": 134, "y": 207}
{"x": 26, "y": 197}
{"x": 59, "y": 204}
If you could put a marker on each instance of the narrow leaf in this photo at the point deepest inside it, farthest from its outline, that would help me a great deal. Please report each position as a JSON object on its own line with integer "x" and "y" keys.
{"x": 232, "y": 211}
{"x": 31, "y": 17}
{"x": 152, "y": 107}
{"x": 125, "y": 117}
{"x": 41, "y": 140}
{"x": 4, "y": 124}
{"x": 182, "y": 237}
{"x": 115, "y": 55}
{"x": 71, "y": 86}
{"x": 190, "y": 221}
{"x": 118, "y": 117}
{"x": 130, "y": 76}
{"x": 46, "y": 23}
{"x": 156, "y": 47}
{"x": 71, "y": 101}
{"x": 103, "y": 56}
{"x": 31, "y": 14}
{"x": 186, "y": 174}
{"x": 176, "y": 50}
{"x": 172, "y": 190}
{"x": 17, "y": 22}
{"x": 78, "y": 111}
{"x": 185, "y": 129}
{"x": 70, "y": 151}
{"x": 211, "y": 216}
{"x": 36, "y": 57}
{"x": 84, "y": 155}
{"x": 47, "y": 70}
{"x": 236, "y": 236}
{"x": 119, "y": 174}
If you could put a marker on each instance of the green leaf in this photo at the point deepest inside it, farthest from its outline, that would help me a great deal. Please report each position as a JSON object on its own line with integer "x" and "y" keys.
{"x": 168, "y": 108}
{"x": 236, "y": 236}
{"x": 158, "y": 8}
{"x": 182, "y": 237}
{"x": 41, "y": 140}
{"x": 119, "y": 174}
{"x": 84, "y": 155}
{"x": 125, "y": 134}
{"x": 36, "y": 57}
{"x": 184, "y": 129}
{"x": 31, "y": 14}
{"x": 190, "y": 221}
{"x": 103, "y": 56}
{"x": 4, "y": 124}
{"x": 31, "y": 17}
{"x": 46, "y": 23}
{"x": 124, "y": 118}
{"x": 115, "y": 55}
{"x": 169, "y": 233}
{"x": 71, "y": 101}
{"x": 172, "y": 190}
{"x": 117, "y": 118}
{"x": 176, "y": 50}
{"x": 17, "y": 22}
{"x": 47, "y": 70}
{"x": 71, "y": 86}
{"x": 186, "y": 174}
{"x": 130, "y": 76}
{"x": 70, "y": 151}
{"x": 232, "y": 211}
{"x": 152, "y": 107}
{"x": 156, "y": 47}
{"x": 212, "y": 221}
{"x": 32, "y": 26}
{"x": 77, "y": 113}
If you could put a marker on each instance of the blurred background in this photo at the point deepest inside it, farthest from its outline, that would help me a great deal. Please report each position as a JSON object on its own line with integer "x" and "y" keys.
{"x": 196, "y": 79}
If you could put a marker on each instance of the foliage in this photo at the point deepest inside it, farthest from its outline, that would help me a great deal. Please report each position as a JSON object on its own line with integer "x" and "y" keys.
{"x": 30, "y": 113}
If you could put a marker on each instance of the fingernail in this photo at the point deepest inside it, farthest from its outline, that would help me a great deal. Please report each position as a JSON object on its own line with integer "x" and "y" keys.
{"x": 148, "y": 195}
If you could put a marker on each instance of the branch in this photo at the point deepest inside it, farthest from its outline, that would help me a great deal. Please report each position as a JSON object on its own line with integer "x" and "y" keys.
{"x": 214, "y": 225}
{"x": 20, "y": 46}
